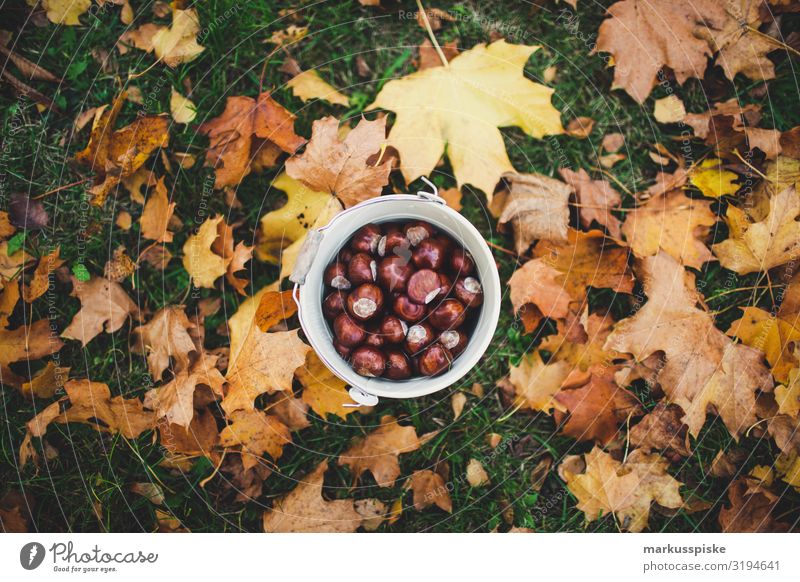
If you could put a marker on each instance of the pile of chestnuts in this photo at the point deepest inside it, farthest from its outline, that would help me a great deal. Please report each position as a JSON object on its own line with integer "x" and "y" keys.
{"x": 400, "y": 298}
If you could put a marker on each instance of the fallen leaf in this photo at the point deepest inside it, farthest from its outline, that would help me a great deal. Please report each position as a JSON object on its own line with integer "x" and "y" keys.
{"x": 429, "y": 57}
{"x": 178, "y": 43}
{"x": 175, "y": 401}
{"x": 291, "y": 411}
{"x": 704, "y": 368}
{"x": 41, "y": 277}
{"x": 305, "y": 510}
{"x": 266, "y": 362}
{"x": 457, "y": 402}
{"x": 256, "y": 433}
{"x": 156, "y": 215}
{"x": 596, "y": 199}
{"x": 150, "y": 491}
{"x": 105, "y": 307}
{"x": 182, "y": 109}
{"x": 46, "y": 381}
{"x": 164, "y": 337}
{"x": 117, "y": 154}
{"x": 772, "y": 335}
{"x": 430, "y": 489}
{"x": 9, "y": 297}
{"x": 752, "y": 509}
{"x": 65, "y": 12}
{"x": 323, "y": 391}
{"x": 476, "y": 474}
{"x": 249, "y": 135}
{"x": 580, "y": 341}
{"x": 537, "y": 283}
{"x": 536, "y": 383}
{"x": 662, "y": 429}
{"x": 765, "y": 244}
{"x": 670, "y": 109}
{"x": 713, "y": 180}
{"x": 372, "y": 511}
{"x": 462, "y": 105}
{"x": 120, "y": 266}
{"x": 339, "y": 166}
{"x": 673, "y": 223}
{"x": 378, "y": 451}
{"x": 580, "y": 127}
{"x": 308, "y": 86}
{"x": 596, "y": 405}
{"x": 612, "y": 142}
{"x": 199, "y": 259}
{"x": 537, "y": 208}
{"x": 625, "y": 489}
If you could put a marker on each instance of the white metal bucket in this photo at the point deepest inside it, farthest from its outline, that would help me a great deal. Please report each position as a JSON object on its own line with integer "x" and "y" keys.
{"x": 322, "y": 246}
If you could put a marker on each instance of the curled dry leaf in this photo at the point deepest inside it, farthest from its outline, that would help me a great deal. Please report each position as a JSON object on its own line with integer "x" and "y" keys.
{"x": 476, "y": 474}
{"x": 461, "y": 107}
{"x": 752, "y": 509}
{"x": 662, "y": 429}
{"x": 596, "y": 199}
{"x": 305, "y": 510}
{"x": 457, "y": 402}
{"x": 274, "y": 307}
{"x": 603, "y": 485}
{"x": 580, "y": 127}
{"x": 537, "y": 208}
{"x": 704, "y": 369}
{"x": 117, "y": 154}
{"x": 378, "y": 451}
{"x": 670, "y": 109}
{"x": 173, "y": 45}
{"x": 156, "y": 215}
{"x": 105, "y": 306}
{"x": 339, "y": 166}
{"x": 41, "y": 276}
{"x": 373, "y": 512}
{"x": 430, "y": 489}
{"x": 46, "y": 381}
{"x": 612, "y": 142}
{"x": 248, "y": 136}
{"x": 166, "y": 336}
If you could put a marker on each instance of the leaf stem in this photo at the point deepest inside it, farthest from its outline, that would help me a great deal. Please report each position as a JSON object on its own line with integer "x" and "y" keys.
{"x": 435, "y": 42}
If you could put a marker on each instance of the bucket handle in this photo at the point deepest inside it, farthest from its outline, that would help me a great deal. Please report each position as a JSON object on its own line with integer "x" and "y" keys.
{"x": 306, "y": 256}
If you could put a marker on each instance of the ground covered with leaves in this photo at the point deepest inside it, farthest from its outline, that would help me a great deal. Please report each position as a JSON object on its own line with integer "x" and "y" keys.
{"x": 633, "y": 165}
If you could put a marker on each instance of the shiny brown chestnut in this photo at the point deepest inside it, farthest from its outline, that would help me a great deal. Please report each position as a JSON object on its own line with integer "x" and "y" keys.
{"x": 424, "y": 286}
{"x": 348, "y": 331}
{"x": 393, "y": 329}
{"x": 391, "y": 241}
{"x": 362, "y": 269}
{"x": 365, "y": 301}
{"x": 454, "y": 340}
{"x": 446, "y": 242}
{"x": 449, "y": 314}
{"x": 368, "y": 361}
{"x": 406, "y": 309}
{"x": 335, "y": 276}
{"x": 398, "y": 366}
{"x": 418, "y": 231}
{"x": 394, "y": 273}
{"x": 434, "y": 360}
{"x": 469, "y": 291}
{"x": 419, "y": 337}
{"x": 345, "y": 255}
{"x": 334, "y": 304}
{"x": 366, "y": 238}
{"x": 429, "y": 254}
{"x": 374, "y": 337}
{"x": 447, "y": 285}
{"x": 461, "y": 263}
{"x": 341, "y": 349}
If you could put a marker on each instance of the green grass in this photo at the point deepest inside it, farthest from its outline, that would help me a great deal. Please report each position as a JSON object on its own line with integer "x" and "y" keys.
{"x": 86, "y": 487}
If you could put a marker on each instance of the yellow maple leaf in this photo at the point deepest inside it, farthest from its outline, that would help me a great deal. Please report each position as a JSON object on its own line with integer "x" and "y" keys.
{"x": 772, "y": 335}
{"x": 323, "y": 391}
{"x": 309, "y": 85}
{"x": 178, "y": 43}
{"x": 713, "y": 180}
{"x": 768, "y": 243}
{"x": 199, "y": 260}
{"x": 183, "y": 110}
{"x": 461, "y": 107}
{"x": 64, "y": 11}
{"x": 536, "y": 383}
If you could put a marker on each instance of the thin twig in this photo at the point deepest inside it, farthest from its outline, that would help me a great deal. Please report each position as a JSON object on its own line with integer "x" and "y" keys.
{"x": 60, "y": 188}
